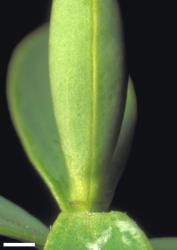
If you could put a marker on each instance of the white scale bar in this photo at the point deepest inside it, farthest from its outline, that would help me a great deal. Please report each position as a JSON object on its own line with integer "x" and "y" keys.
{"x": 5, "y": 244}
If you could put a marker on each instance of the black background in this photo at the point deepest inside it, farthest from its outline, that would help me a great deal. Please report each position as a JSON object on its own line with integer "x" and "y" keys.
{"x": 147, "y": 190}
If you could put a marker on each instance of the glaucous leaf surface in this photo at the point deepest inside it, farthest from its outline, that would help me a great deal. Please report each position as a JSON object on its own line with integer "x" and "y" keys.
{"x": 16, "y": 223}
{"x": 96, "y": 231}
{"x": 168, "y": 243}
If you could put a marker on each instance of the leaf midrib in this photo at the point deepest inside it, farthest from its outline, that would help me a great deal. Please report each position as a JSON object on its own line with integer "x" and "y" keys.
{"x": 93, "y": 95}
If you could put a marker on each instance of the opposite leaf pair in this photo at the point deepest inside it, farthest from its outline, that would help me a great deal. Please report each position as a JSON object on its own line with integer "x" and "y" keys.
{"x": 76, "y": 127}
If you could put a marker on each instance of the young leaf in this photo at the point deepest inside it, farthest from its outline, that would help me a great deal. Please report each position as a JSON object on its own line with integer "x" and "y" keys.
{"x": 16, "y": 223}
{"x": 88, "y": 81}
{"x": 96, "y": 231}
{"x": 168, "y": 243}
{"x": 124, "y": 142}
{"x": 31, "y": 109}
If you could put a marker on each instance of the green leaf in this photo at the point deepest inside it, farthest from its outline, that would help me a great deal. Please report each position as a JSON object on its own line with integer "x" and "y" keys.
{"x": 16, "y": 223}
{"x": 96, "y": 231}
{"x": 124, "y": 142}
{"x": 166, "y": 243}
{"x": 88, "y": 81}
{"x": 31, "y": 109}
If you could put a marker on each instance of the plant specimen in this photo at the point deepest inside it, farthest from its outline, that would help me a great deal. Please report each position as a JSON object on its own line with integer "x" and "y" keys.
{"x": 73, "y": 105}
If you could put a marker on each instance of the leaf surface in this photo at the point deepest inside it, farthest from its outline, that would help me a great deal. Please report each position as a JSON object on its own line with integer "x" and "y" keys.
{"x": 96, "y": 231}
{"x": 166, "y": 243}
{"x": 124, "y": 142}
{"x": 16, "y": 223}
{"x": 89, "y": 82}
{"x": 31, "y": 109}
